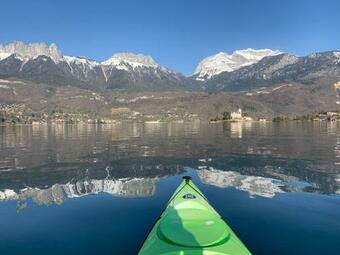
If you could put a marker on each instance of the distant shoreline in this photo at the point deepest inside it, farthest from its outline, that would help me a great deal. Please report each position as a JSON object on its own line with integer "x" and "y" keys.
{"x": 118, "y": 122}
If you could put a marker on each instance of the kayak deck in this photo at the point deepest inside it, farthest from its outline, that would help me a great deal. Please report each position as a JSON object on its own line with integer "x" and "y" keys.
{"x": 190, "y": 226}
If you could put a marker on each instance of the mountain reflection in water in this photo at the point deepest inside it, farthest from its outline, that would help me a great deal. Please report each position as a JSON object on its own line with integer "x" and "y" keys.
{"x": 57, "y": 193}
{"x": 49, "y": 163}
{"x": 254, "y": 185}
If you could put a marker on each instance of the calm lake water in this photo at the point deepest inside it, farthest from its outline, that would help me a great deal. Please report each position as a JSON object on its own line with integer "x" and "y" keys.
{"x": 98, "y": 189}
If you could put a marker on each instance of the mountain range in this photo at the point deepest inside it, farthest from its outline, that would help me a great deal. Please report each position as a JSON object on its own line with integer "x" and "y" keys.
{"x": 243, "y": 69}
{"x": 264, "y": 81}
{"x": 46, "y": 64}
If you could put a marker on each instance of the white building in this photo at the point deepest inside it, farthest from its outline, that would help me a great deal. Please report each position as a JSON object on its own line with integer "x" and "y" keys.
{"x": 236, "y": 115}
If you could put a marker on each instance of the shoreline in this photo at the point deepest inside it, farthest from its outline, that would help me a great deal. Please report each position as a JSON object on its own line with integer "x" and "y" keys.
{"x": 156, "y": 122}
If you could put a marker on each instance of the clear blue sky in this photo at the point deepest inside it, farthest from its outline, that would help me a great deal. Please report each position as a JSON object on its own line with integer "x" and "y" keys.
{"x": 176, "y": 33}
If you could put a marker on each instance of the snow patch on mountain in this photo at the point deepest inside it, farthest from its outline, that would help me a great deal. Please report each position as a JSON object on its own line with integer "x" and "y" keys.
{"x": 4, "y": 55}
{"x": 224, "y": 62}
{"x": 124, "y": 60}
{"x": 337, "y": 55}
{"x": 81, "y": 61}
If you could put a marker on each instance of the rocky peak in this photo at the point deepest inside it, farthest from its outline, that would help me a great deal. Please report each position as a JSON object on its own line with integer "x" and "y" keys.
{"x": 30, "y": 50}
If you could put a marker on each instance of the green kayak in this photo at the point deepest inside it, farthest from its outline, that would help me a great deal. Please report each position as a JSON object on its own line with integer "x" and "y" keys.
{"x": 190, "y": 226}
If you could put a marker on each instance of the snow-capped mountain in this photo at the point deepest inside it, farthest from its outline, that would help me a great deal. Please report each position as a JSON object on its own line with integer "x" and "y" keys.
{"x": 127, "y": 70}
{"x": 41, "y": 63}
{"x": 125, "y": 60}
{"x": 224, "y": 62}
{"x": 83, "y": 69}
{"x": 276, "y": 69}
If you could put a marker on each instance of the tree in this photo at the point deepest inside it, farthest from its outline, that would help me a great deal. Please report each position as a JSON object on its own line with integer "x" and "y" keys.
{"x": 2, "y": 117}
{"x": 226, "y": 116}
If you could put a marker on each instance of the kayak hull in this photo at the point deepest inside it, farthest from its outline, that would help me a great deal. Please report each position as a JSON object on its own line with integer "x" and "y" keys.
{"x": 190, "y": 226}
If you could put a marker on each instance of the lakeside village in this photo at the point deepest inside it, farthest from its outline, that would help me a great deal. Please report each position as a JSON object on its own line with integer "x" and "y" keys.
{"x": 20, "y": 114}
{"x": 238, "y": 116}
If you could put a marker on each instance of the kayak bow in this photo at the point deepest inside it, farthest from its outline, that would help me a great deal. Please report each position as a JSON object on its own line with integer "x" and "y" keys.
{"x": 189, "y": 225}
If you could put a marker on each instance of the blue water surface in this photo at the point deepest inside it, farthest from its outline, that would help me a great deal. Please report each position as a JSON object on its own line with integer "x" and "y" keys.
{"x": 98, "y": 189}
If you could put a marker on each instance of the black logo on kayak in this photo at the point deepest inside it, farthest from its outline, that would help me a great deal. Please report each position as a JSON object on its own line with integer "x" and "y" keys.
{"x": 189, "y": 196}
